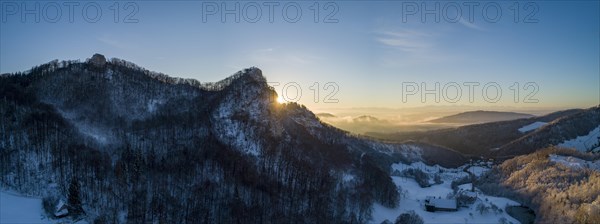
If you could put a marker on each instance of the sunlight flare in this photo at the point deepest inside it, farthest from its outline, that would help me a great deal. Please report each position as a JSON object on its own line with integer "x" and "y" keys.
{"x": 280, "y": 100}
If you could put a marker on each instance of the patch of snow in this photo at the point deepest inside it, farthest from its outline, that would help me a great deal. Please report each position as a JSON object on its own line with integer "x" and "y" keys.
{"x": 574, "y": 162}
{"x": 478, "y": 170}
{"x": 586, "y": 143}
{"x": 307, "y": 122}
{"x": 447, "y": 173}
{"x": 532, "y": 126}
{"x": 109, "y": 74}
{"x": 348, "y": 177}
{"x": 153, "y": 105}
{"x": 20, "y": 209}
{"x": 98, "y": 134}
{"x": 122, "y": 216}
{"x": 237, "y": 133}
{"x": 409, "y": 151}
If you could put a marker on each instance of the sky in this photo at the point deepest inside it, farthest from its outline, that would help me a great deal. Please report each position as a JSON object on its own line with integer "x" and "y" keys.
{"x": 338, "y": 54}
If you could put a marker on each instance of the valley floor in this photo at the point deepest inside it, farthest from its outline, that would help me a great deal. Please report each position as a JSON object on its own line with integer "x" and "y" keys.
{"x": 413, "y": 199}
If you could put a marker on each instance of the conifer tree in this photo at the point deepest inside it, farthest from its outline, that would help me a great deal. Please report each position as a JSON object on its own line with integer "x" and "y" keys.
{"x": 73, "y": 198}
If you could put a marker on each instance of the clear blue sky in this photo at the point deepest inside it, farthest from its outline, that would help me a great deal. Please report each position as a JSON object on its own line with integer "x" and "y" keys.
{"x": 369, "y": 52}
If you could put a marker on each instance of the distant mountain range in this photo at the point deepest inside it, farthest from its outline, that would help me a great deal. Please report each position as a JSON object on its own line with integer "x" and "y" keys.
{"x": 362, "y": 124}
{"x": 366, "y": 118}
{"x": 503, "y": 139}
{"x": 326, "y": 115}
{"x": 474, "y": 117}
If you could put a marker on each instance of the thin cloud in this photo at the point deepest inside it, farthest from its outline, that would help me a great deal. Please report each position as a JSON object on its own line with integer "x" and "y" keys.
{"x": 270, "y": 55}
{"x": 112, "y": 42}
{"x": 408, "y": 47}
{"x": 264, "y": 50}
{"x": 405, "y": 40}
{"x": 470, "y": 24}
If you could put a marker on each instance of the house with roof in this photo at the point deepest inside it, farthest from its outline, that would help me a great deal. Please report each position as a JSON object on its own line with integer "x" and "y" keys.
{"x": 465, "y": 197}
{"x": 61, "y": 210}
{"x": 433, "y": 204}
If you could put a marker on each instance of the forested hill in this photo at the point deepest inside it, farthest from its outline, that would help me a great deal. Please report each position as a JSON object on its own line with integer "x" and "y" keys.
{"x": 145, "y": 147}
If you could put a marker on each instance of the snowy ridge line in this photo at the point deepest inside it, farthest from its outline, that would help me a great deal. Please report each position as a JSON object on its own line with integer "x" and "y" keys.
{"x": 55, "y": 65}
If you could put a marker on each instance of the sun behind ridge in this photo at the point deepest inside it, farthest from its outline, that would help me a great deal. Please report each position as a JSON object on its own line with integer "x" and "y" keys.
{"x": 280, "y": 99}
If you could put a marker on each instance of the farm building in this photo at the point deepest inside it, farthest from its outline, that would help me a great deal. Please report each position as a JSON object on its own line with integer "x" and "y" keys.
{"x": 465, "y": 198}
{"x": 433, "y": 204}
{"x": 61, "y": 210}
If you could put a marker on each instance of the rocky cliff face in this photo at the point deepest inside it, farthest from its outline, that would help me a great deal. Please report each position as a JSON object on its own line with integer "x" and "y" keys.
{"x": 98, "y": 60}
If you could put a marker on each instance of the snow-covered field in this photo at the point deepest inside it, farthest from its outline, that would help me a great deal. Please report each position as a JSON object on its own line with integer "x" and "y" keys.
{"x": 16, "y": 208}
{"x": 20, "y": 209}
{"x": 584, "y": 143}
{"x": 477, "y": 169}
{"x": 413, "y": 196}
{"x": 532, "y": 126}
{"x": 575, "y": 162}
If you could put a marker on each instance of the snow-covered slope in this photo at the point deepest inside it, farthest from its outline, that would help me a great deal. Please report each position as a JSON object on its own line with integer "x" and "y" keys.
{"x": 488, "y": 139}
{"x": 532, "y": 126}
{"x": 575, "y": 162}
{"x": 586, "y": 143}
{"x": 476, "y": 169}
{"x": 579, "y": 130}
